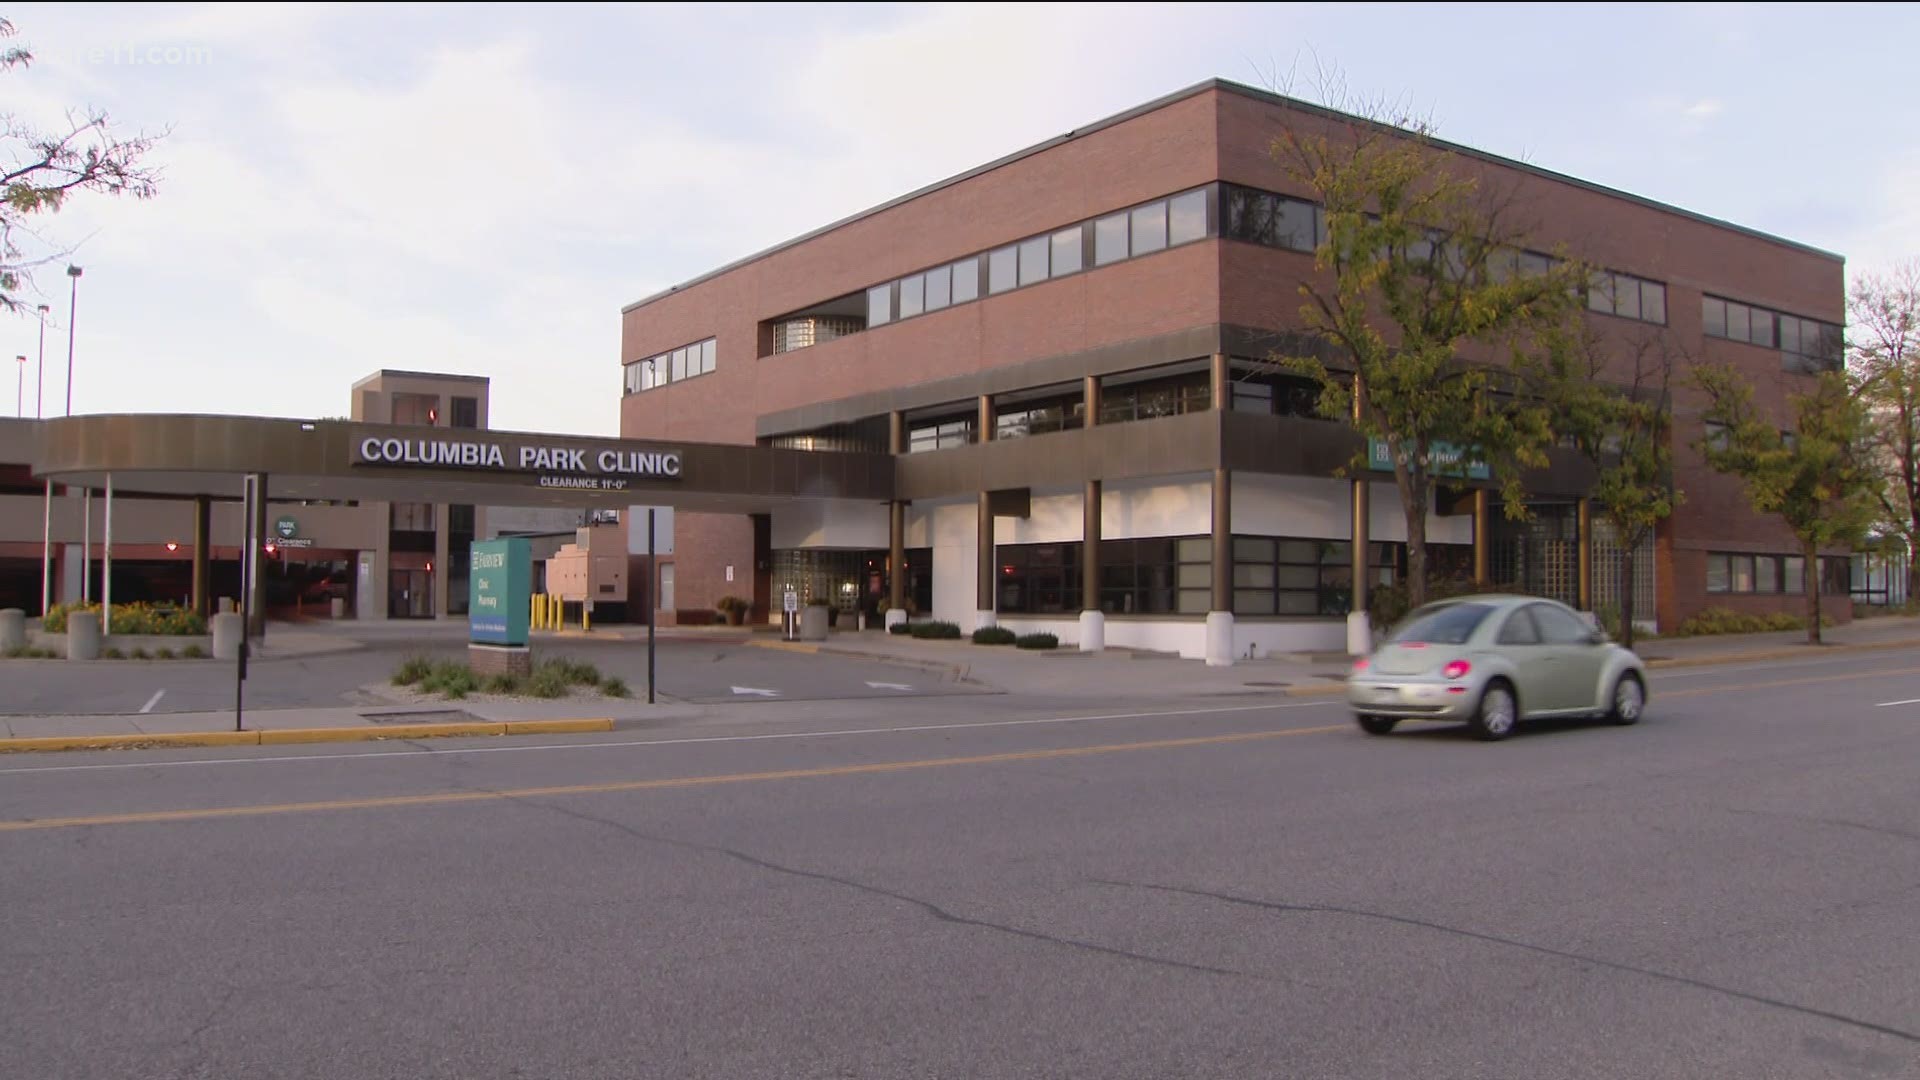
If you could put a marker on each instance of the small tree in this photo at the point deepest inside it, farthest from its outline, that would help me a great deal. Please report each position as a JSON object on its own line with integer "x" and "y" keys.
{"x": 1814, "y": 477}
{"x": 40, "y": 169}
{"x": 1618, "y": 416}
{"x": 1884, "y": 360}
{"x": 1418, "y": 261}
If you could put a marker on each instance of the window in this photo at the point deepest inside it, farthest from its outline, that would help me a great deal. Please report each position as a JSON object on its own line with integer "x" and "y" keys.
{"x": 1002, "y": 271}
{"x": 1038, "y": 418}
{"x": 966, "y": 281}
{"x": 1277, "y": 575}
{"x": 1187, "y": 217}
{"x": 1793, "y": 579}
{"x": 422, "y": 409}
{"x": 679, "y": 364}
{"x": 709, "y": 355}
{"x": 411, "y": 517}
{"x": 1559, "y": 626}
{"x": 1109, "y": 239}
{"x": 682, "y": 363}
{"x": 1628, "y": 297}
{"x": 1806, "y": 345}
{"x": 939, "y": 288}
{"x": 1836, "y": 578}
{"x": 880, "y": 305}
{"x": 1149, "y": 228}
{"x": 1719, "y": 574}
{"x": 1809, "y": 346}
{"x": 913, "y": 296}
{"x": 1066, "y": 252}
{"x": 1742, "y": 566}
{"x": 1766, "y": 573}
{"x": 1171, "y": 396}
{"x": 939, "y": 434}
{"x": 1033, "y": 260}
{"x": 1717, "y": 435}
{"x": 1713, "y": 316}
{"x": 1038, "y": 579}
{"x": 466, "y": 412}
{"x": 1769, "y": 574}
{"x": 1275, "y": 221}
{"x": 1519, "y": 629}
{"x": 1156, "y": 575}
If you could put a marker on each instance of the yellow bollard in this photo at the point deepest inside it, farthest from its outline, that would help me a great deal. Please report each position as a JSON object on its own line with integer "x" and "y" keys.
{"x": 584, "y": 618}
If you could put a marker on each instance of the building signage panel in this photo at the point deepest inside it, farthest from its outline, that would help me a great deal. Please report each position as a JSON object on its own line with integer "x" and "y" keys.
{"x": 557, "y": 466}
{"x": 499, "y": 591}
{"x": 1446, "y": 456}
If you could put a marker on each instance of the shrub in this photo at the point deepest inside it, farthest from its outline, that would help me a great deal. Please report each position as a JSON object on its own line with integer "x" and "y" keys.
{"x": 613, "y": 686}
{"x": 451, "y": 679}
{"x": 140, "y": 654}
{"x": 1037, "y": 641}
{"x": 936, "y": 630}
{"x": 135, "y": 618}
{"x": 18, "y": 652}
{"x": 900, "y": 628}
{"x": 571, "y": 672}
{"x": 193, "y": 652}
{"x": 547, "y": 682}
{"x": 994, "y": 635}
{"x": 112, "y": 652}
{"x": 503, "y": 683}
{"x": 411, "y": 670}
{"x": 1717, "y": 620}
{"x": 163, "y": 654}
{"x": 733, "y": 609}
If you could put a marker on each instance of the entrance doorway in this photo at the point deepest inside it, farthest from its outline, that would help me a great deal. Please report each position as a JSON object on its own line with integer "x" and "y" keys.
{"x": 409, "y": 594}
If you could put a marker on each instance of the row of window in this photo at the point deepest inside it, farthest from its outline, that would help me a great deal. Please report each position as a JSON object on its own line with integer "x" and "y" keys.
{"x": 1140, "y": 230}
{"x": 682, "y": 363}
{"x": 1805, "y": 344}
{"x": 1144, "y": 400}
{"x": 1765, "y": 574}
{"x": 1628, "y": 297}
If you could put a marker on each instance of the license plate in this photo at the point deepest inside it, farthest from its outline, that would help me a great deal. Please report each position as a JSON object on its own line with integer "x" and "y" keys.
{"x": 1385, "y": 693}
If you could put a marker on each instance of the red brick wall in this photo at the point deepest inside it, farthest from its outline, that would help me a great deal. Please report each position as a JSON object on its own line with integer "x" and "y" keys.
{"x": 704, "y": 546}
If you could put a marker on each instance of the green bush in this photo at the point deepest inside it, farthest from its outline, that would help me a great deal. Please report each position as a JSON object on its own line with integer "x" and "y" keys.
{"x": 1718, "y": 620}
{"x": 112, "y": 652}
{"x": 163, "y": 654}
{"x": 615, "y": 687}
{"x": 503, "y": 683}
{"x": 548, "y": 682}
{"x": 994, "y": 635}
{"x": 140, "y": 654}
{"x": 571, "y": 672}
{"x": 1388, "y": 604}
{"x": 900, "y": 628}
{"x": 193, "y": 652}
{"x": 1037, "y": 641}
{"x": 936, "y": 631}
{"x": 412, "y": 670}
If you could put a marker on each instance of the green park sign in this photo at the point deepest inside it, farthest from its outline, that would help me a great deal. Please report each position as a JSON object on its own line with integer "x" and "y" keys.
{"x": 499, "y": 591}
{"x": 1447, "y": 459}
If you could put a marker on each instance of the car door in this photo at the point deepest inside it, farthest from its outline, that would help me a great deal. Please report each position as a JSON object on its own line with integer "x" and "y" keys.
{"x": 1518, "y": 642}
{"x": 1576, "y": 657}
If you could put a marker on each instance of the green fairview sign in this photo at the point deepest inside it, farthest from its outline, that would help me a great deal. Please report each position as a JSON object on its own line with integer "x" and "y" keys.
{"x": 1446, "y": 460}
{"x": 499, "y": 591}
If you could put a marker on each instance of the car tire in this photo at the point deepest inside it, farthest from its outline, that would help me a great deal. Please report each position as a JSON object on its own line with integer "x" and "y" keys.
{"x": 1627, "y": 701}
{"x": 1497, "y": 714}
{"x": 1376, "y": 725}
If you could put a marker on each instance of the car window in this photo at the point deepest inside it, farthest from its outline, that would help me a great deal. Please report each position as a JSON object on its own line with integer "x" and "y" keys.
{"x": 1519, "y": 629}
{"x": 1559, "y": 627}
{"x": 1442, "y": 624}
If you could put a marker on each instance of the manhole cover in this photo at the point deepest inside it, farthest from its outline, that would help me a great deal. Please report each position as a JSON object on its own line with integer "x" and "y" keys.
{"x": 447, "y": 716}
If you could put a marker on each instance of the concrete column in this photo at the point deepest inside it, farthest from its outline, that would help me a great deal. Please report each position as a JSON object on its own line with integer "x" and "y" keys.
{"x": 1093, "y": 621}
{"x": 202, "y": 552}
{"x": 984, "y": 586}
{"x": 1482, "y": 551}
{"x": 256, "y": 579}
{"x": 1359, "y": 623}
{"x": 1220, "y": 611}
{"x": 1090, "y": 393}
{"x": 106, "y": 566}
{"x": 13, "y": 628}
{"x": 1584, "y": 523}
{"x": 984, "y": 420}
{"x": 46, "y": 552}
{"x": 896, "y": 561}
{"x": 1221, "y": 384}
{"x": 86, "y": 545}
{"x": 442, "y": 520}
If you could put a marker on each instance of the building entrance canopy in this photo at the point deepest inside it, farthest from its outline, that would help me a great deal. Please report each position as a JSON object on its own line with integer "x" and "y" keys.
{"x": 185, "y": 455}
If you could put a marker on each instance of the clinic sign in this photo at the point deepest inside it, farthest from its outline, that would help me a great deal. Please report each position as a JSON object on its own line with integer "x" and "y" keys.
{"x": 1446, "y": 457}
{"x": 555, "y": 466}
{"x": 499, "y": 591}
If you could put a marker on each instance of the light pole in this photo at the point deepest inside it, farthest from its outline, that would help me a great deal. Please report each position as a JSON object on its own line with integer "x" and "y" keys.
{"x": 20, "y": 390}
{"x": 73, "y": 272}
{"x": 40, "y": 373}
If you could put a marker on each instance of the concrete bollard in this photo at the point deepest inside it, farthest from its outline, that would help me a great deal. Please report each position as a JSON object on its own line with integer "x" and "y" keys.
{"x": 226, "y": 605}
{"x": 227, "y": 635}
{"x": 337, "y": 607}
{"x": 13, "y": 629}
{"x": 813, "y": 623}
{"x": 83, "y": 635}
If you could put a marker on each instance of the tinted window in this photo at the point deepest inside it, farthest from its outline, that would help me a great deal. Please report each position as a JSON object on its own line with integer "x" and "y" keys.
{"x": 1519, "y": 630}
{"x": 966, "y": 280}
{"x": 1446, "y": 624}
{"x": 1150, "y": 228}
{"x": 1066, "y": 251}
{"x": 1713, "y": 314}
{"x": 879, "y": 305}
{"x": 913, "y": 295}
{"x": 1109, "y": 239}
{"x": 1033, "y": 260}
{"x": 939, "y": 287}
{"x": 1653, "y": 302}
{"x": 1001, "y": 270}
{"x": 1187, "y": 217}
{"x": 1558, "y": 627}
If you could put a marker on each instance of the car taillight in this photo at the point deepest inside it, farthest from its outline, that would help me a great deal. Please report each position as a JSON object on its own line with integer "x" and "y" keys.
{"x": 1456, "y": 670}
{"x": 1360, "y": 665}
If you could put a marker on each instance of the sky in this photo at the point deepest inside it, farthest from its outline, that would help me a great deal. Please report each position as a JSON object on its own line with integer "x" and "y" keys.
{"x": 480, "y": 189}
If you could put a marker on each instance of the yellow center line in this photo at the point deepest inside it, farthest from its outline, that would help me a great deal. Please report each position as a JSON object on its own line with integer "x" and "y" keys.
{"x": 1735, "y": 688}
{"x": 453, "y": 797}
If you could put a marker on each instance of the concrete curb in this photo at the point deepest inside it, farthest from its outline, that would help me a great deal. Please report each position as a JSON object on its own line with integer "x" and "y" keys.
{"x": 284, "y": 736}
{"x": 957, "y": 672}
{"x": 1790, "y": 652}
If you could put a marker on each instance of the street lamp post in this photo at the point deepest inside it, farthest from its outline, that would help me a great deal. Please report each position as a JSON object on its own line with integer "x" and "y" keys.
{"x": 73, "y": 272}
{"x": 20, "y": 390}
{"x": 40, "y": 371}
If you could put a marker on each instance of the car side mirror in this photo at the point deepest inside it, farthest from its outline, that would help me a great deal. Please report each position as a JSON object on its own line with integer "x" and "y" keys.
{"x": 1597, "y": 637}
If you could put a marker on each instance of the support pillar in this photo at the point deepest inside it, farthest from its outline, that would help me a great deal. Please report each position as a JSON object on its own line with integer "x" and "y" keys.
{"x": 46, "y": 552}
{"x": 202, "y": 555}
{"x": 1220, "y": 610}
{"x": 86, "y": 545}
{"x": 1482, "y": 540}
{"x": 896, "y": 561}
{"x": 896, "y": 433}
{"x": 984, "y": 575}
{"x": 1359, "y": 622}
{"x": 256, "y": 580}
{"x": 106, "y": 567}
{"x": 983, "y": 422}
{"x": 1584, "y": 526}
{"x": 1221, "y": 382}
{"x": 1093, "y": 621}
{"x": 1090, "y": 395}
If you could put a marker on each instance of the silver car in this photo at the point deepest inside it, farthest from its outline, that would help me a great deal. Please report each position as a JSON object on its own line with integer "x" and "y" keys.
{"x": 1493, "y": 661}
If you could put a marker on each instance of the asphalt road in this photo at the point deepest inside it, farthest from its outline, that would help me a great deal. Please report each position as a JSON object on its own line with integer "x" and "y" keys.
{"x": 688, "y": 670}
{"x": 1241, "y": 889}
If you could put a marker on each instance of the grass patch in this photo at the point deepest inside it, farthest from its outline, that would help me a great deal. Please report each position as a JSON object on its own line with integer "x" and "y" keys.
{"x": 571, "y": 672}
{"x": 548, "y": 682}
{"x": 504, "y": 683}
{"x": 616, "y": 687}
{"x": 451, "y": 679}
{"x": 412, "y": 670}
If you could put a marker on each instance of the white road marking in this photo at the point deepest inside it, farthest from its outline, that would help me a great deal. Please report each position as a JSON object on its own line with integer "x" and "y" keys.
{"x": 889, "y": 686}
{"x": 1908, "y": 701}
{"x": 755, "y": 691}
{"x": 152, "y": 701}
{"x": 424, "y": 752}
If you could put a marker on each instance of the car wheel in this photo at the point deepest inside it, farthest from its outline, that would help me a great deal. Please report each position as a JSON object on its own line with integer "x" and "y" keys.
{"x": 1629, "y": 700}
{"x": 1376, "y": 725}
{"x": 1497, "y": 714}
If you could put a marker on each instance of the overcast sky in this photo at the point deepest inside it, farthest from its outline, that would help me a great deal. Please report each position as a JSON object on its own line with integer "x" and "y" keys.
{"x": 480, "y": 189}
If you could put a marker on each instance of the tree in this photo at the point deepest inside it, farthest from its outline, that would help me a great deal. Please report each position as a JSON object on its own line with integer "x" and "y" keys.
{"x": 1419, "y": 261}
{"x": 1815, "y": 477}
{"x": 1624, "y": 429}
{"x": 1884, "y": 360}
{"x": 39, "y": 170}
